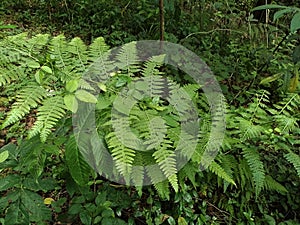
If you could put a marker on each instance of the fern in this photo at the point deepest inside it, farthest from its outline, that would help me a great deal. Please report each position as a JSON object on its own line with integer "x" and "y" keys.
{"x": 166, "y": 160}
{"x": 122, "y": 155}
{"x": 295, "y": 160}
{"x": 148, "y": 130}
{"x": 127, "y": 58}
{"x": 52, "y": 110}
{"x": 220, "y": 172}
{"x": 229, "y": 165}
{"x": 256, "y": 167}
{"x": 26, "y": 100}
{"x": 271, "y": 184}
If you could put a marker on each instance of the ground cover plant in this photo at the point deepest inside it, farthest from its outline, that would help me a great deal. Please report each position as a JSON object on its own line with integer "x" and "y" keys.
{"x": 46, "y": 179}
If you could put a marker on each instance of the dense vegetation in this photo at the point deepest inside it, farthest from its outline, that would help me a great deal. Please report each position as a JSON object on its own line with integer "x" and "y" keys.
{"x": 47, "y": 46}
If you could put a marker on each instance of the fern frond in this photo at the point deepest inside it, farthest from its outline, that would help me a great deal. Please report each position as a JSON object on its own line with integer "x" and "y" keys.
{"x": 77, "y": 47}
{"x": 288, "y": 105}
{"x": 127, "y": 59}
{"x": 167, "y": 162}
{"x": 58, "y": 46}
{"x": 229, "y": 164}
{"x": 157, "y": 133}
{"x": 151, "y": 66}
{"x": 295, "y": 160}
{"x": 163, "y": 189}
{"x": 36, "y": 44}
{"x": 220, "y": 172}
{"x": 52, "y": 110}
{"x": 286, "y": 123}
{"x": 138, "y": 172}
{"x": 28, "y": 98}
{"x": 248, "y": 130}
{"x": 103, "y": 66}
{"x": 97, "y": 49}
{"x": 10, "y": 73}
{"x": 257, "y": 168}
{"x": 188, "y": 171}
{"x": 158, "y": 179}
{"x": 63, "y": 59}
{"x": 122, "y": 155}
{"x": 271, "y": 184}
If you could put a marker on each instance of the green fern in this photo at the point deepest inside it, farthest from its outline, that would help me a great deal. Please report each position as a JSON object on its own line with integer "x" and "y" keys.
{"x": 220, "y": 172}
{"x": 295, "y": 160}
{"x": 27, "y": 99}
{"x": 271, "y": 184}
{"x": 160, "y": 126}
{"x": 122, "y": 155}
{"x": 52, "y": 110}
{"x": 166, "y": 160}
{"x": 256, "y": 166}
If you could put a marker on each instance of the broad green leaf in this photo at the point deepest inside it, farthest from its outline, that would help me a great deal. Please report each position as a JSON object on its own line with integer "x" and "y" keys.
{"x": 103, "y": 102}
{"x": 72, "y": 85}
{"x": 171, "y": 221}
{"x": 101, "y": 198}
{"x": 71, "y": 103}
{"x": 75, "y": 208}
{"x": 85, "y": 96}
{"x": 3, "y": 156}
{"x": 33, "y": 64}
{"x": 102, "y": 87}
{"x": 78, "y": 168}
{"x": 39, "y": 76}
{"x": 281, "y": 13}
{"x": 85, "y": 218}
{"x": 107, "y": 213}
{"x": 271, "y": 78}
{"x": 295, "y": 23}
{"x": 47, "y": 69}
{"x": 269, "y": 6}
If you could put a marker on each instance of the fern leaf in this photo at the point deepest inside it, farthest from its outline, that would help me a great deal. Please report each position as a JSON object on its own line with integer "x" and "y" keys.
{"x": 36, "y": 44}
{"x": 58, "y": 46}
{"x": 158, "y": 179}
{"x": 97, "y": 49}
{"x": 122, "y": 155}
{"x": 127, "y": 58}
{"x": 220, "y": 172}
{"x": 52, "y": 110}
{"x": 138, "y": 172}
{"x": 229, "y": 164}
{"x": 28, "y": 98}
{"x": 271, "y": 184}
{"x": 188, "y": 171}
{"x": 257, "y": 168}
{"x": 248, "y": 129}
{"x": 295, "y": 160}
{"x": 151, "y": 66}
{"x": 286, "y": 123}
{"x": 10, "y": 73}
{"x": 167, "y": 162}
{"x": 77, "y": 47}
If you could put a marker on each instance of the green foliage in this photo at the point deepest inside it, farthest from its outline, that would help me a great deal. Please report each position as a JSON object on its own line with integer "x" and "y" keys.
{"x": 253, "y": 180}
